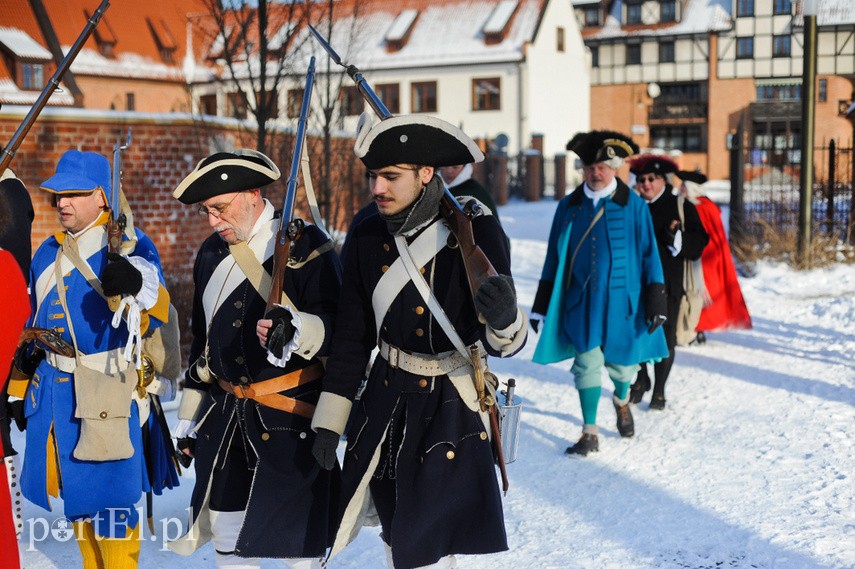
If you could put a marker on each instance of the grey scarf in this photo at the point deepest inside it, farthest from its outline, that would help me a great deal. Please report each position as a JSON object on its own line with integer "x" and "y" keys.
{"x": 421, "y": 211}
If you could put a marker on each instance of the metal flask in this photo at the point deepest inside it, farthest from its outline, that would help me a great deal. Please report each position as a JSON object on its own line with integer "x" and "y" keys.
{"x": 510, "y": 423}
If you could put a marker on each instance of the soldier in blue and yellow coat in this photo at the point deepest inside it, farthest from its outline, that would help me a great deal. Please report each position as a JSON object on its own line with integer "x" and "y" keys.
{"x": 84, "y": 434}
{"x": 601, "y": 288}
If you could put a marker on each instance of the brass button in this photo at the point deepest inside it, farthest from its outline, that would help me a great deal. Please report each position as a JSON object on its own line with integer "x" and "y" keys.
{"x": 386, "y": 247}
{"x": 103, "y": 414}
{"x": 384, "y": 268}
{"x": 483, "y": 435}
{"x": 265, "y": 436}
{"x": 450, "y": 455}
{"x": 422, "y": 270}
{"x": 422, "y": 382}
{"x": 237, "y": 323}
{"x": 420, "y": 310}
{"x": 239, "y": 360}
{"x": 244, "y": 379}
{"x": 239, "y": 304}
{"x": 420, "y": 332}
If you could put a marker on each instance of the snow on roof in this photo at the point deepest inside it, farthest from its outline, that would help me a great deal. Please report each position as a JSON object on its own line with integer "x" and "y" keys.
{"x": 699, "y": 16}
{"x": 399, "y": 28}
{"x": 22, "y": 45}
{"x": 128, "y": 65}
{"x": 829, "y": 13}
{"x": 10, "y": 94}
{"x": 449, "y": 34}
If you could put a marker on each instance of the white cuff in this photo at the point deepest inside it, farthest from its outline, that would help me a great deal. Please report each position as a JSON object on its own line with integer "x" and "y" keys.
{"x": 184, "y": 429}
{"x": 677, "y": 246}
{"x": 162, "y": 387}
{"x": 191, "y": 401}
{"x": 331, "y": 412}
{"x": 508, "y": 341}
{"x": 147, "y": 296}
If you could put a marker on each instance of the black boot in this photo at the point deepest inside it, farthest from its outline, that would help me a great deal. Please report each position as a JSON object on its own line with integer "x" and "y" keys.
{"x": 588, "y": 443}
{"x": 657, "y": 402}
{"x": 639, "y": 388}
{"x": 625, "y": 424}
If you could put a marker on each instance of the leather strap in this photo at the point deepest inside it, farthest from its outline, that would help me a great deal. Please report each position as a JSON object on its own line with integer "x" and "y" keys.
{"x": 267, "y": 392}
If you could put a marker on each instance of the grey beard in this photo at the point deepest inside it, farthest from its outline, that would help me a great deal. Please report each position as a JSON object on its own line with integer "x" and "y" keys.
{"x": 424, "y": 209}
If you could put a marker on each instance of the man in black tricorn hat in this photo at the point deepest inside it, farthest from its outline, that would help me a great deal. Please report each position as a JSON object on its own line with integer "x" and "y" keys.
{"x": 259, "y": 491}
{"x": 418, "y": 444}
{"x": 601, "y": 289}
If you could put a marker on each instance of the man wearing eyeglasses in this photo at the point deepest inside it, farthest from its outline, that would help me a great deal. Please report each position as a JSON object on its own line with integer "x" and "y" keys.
{"x": 601, "y": 289}
{"x": 245, "y": 415}
{"x": 676, "y": 241}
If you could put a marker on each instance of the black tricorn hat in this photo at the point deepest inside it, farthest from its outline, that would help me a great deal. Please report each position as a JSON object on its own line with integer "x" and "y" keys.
{"x": 226, "y": 172}
{"x": 413, "y": 139}
{"x": 695, "y": 176}
{"x": 652, "y": 164}
{"x": 601, "y": 145}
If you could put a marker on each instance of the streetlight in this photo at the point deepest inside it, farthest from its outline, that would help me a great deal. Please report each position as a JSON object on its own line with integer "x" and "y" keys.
{"x": 809, "y": 10}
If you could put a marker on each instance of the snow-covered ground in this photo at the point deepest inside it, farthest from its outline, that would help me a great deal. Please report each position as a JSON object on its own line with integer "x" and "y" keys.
{"x": 750, "y": 466}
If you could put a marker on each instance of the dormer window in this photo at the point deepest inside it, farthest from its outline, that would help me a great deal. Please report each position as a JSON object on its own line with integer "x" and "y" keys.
{"x": 398, "y": 33}
{"x": 32, "y": 76}
{"x": 633, "y": 12}
{"x": 105, "y": 37}
{"x": 163, "y": 38}
{"x": 499, "y": 21}
{"x": 669, "y": 11}
{"x": 592, "y": 16}
{"x": 30, "y": 58}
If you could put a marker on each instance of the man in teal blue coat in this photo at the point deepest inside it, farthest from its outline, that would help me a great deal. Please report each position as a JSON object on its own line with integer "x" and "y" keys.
{"x": 601, "y": 289}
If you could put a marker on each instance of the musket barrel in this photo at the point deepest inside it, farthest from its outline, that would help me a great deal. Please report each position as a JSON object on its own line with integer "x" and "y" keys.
{"x": 52, "y": 84}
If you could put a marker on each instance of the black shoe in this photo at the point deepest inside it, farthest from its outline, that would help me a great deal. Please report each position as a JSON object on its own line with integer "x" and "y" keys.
{"x": 588, "y": 443}
{"x": 701, "y": 338}
{"x": 625, "y": 424}
{"x": 638, "y": 389}
{"x": 657, "y": 402}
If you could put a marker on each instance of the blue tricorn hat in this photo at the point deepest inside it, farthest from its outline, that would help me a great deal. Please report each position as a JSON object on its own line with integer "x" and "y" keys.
{"x": 79, "y": 171}
{"x": 422, "y": 140}
{"x": 226, "y": 172}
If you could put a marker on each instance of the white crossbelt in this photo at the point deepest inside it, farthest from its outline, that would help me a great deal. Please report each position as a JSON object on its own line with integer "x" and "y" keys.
{"x": 430, "y": 365}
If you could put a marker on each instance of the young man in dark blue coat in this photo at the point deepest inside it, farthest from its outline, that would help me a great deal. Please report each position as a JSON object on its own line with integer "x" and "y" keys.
{"x": 418, "y": 444}
{"x": 259, "y": 492}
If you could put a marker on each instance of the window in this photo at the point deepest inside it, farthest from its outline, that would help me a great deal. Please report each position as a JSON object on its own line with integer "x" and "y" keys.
{"x": 680, "y": 92}
{"x": 595, "y": 56}
{"x": 559, "y": 40}
{"x": 32, "y": 76}
{"x": 486, "y": 94}
{"x": 666, "y": 52}
{"x": 633, "y": 54}
{"x": 744, "y": 48}
{"x": 130, "y": 102}
{"x": 783, "y": 92}
{"x": 668, "y": 11}
{"x": 780, "y": 46}
{"x": 294, "y": 102}
{"x": 272, "y": 103}
{"x": 633, "y": 13}
{"x": 688, "y": 138}
{"x": 351, "y": 101}
{"x": 782, "y": 7}
{"x": 390, "y": 94}
{"x": 592, "y": 16}
{"x": 822, "y": 91}
{"x": 237, "y": 106}
{"x": 423, "y": 97}
{"x": 208, "y": 105}
{"x": 744, "y": 7}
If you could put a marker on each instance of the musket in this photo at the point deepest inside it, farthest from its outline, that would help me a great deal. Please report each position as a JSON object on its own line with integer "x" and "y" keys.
{"x": 118, "y": 221}
{"x": 48, "y": 338}
{"x": 290, "y": 227}
{"x": 478, "y": 266}
{"x": 459, "y": 219}
{"x": 51, "y": 86}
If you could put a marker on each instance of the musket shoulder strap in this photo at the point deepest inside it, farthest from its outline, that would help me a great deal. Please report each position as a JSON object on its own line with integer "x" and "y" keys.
{"x": 255, "y": 273}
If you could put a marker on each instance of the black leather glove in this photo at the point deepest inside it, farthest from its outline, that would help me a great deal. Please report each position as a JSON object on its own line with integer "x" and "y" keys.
{"x": 16, "y": 412}
{"x": 535, "y": 324}
{"x": 655, "y": 306}
{"x": 496, "y": 300}
{"x": 27, "y": 359}
{"x": 324, "y": 447}
{"x": 120, "y": 276}
{"x": 189, "y": 444}
{"x": 281, "y": 332}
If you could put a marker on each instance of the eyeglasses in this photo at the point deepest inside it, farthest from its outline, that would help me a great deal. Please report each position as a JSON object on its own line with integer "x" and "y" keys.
{"x": 217, "y": 210}
{"x": 643, "y": 179}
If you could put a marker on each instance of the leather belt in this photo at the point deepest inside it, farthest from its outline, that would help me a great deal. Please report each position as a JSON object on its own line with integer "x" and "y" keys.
{"x": 267, "y": 392}
{"x": 430, "y": 365}
{"x": 109, "y": 362}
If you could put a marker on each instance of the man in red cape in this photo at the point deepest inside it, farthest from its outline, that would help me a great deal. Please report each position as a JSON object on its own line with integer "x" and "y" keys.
{"x": 15, "y": 307}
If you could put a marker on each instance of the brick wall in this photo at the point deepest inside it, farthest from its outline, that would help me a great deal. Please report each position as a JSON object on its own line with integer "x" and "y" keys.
{"x": 164, "y": 149}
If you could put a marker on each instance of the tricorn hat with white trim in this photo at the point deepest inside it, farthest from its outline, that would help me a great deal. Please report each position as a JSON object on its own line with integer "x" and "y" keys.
{"x": 226, "y": 172}
{"x": 601, "y": 146}
{"x": 421, "y": 140}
